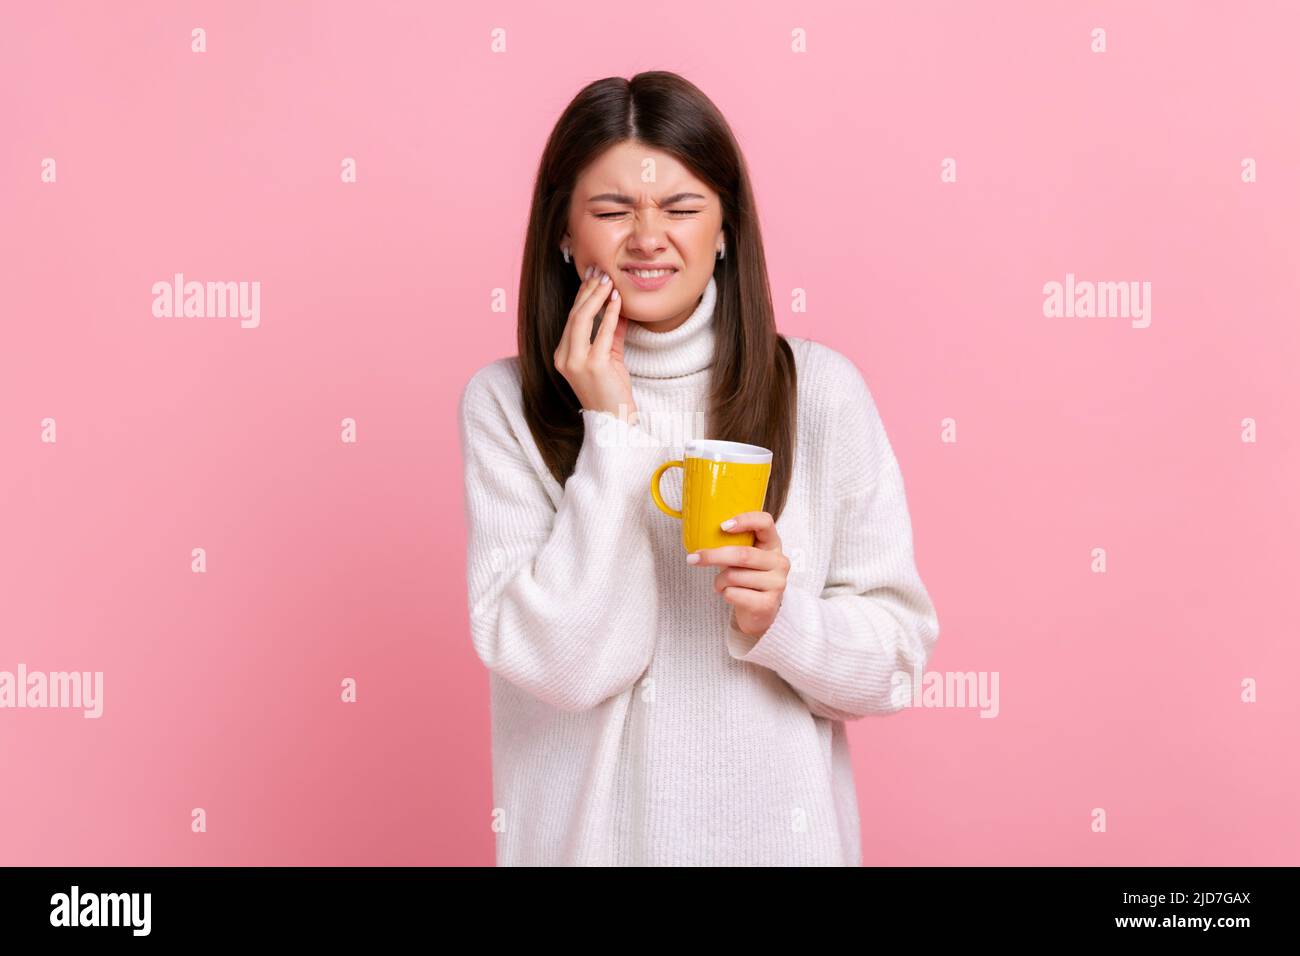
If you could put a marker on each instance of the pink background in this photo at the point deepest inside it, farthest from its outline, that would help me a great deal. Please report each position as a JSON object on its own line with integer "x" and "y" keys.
{"x": 329, "y": 560}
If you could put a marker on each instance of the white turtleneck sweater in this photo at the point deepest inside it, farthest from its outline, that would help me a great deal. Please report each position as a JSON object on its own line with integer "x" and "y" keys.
{"x": 632, "y": 723}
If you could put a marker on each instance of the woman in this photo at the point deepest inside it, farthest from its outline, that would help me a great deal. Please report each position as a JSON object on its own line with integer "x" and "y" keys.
{"x": 649, "y": 709}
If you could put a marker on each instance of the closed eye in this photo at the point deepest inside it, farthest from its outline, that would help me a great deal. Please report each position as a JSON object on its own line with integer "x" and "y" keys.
{"x": 671, "y": 212}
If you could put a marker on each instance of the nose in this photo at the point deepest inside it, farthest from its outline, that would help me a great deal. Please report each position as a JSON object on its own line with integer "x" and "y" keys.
{"x": 647, "y": 234}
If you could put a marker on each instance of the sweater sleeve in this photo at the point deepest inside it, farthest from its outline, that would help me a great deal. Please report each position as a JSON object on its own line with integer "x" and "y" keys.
{"x": 846, "y": 650}
{"x": 562, "y": 600}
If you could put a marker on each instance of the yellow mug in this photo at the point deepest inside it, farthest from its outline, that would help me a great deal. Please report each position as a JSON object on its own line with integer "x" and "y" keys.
{"x": 720, "y": 479}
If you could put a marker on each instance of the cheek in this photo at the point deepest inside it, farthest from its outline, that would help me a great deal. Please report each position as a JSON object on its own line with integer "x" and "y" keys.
{"x": 603, "y": 243}
{"x": 596, "y": 246}
{"x": 693, "y": 238}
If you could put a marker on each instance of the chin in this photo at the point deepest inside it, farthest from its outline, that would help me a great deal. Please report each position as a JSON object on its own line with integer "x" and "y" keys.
{"x": 649, "y": 306}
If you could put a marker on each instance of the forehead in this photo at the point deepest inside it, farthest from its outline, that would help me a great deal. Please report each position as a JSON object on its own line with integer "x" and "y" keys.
{"x": 628, "y": 166}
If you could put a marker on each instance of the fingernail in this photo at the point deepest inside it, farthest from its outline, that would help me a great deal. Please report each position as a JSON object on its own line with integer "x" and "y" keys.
{"x": 614, "y": 295}
{"x": 728, "y": 524}
{"x": 692, "y": 559}
{"x": 604, "y": 278}
{"x": 588, "y": 273}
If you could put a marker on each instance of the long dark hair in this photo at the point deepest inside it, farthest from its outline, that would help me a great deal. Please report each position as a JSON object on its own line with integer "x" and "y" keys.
{"x": 752, "y": 389}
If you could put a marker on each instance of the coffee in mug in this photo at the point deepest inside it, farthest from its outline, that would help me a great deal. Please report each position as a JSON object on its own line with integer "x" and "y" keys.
{"x": 720, "y": 479}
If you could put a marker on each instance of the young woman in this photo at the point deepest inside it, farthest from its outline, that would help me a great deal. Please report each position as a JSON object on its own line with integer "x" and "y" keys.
{"x": 650, "y": 707}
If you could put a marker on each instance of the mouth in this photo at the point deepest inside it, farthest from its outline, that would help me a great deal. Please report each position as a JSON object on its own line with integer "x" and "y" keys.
{"x": 649, "y": 278}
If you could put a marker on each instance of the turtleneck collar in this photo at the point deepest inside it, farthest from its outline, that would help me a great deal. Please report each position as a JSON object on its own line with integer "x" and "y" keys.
{"x": 686, "y": 349}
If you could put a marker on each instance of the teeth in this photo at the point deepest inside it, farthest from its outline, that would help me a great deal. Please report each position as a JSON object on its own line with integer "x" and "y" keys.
{"x": 650, "y": 274}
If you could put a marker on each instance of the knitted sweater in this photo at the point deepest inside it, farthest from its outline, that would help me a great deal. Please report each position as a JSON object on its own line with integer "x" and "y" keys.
{"x": 632, "y": 723}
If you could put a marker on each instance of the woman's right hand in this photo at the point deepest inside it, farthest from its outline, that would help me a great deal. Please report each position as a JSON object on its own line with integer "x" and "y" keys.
{"x": 595, "y": 370}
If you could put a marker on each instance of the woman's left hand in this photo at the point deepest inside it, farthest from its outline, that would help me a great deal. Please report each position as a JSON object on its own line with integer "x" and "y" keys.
{"x": 752, "y": 579}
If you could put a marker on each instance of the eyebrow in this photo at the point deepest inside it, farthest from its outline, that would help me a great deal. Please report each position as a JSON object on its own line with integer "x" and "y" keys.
{"x": 629, "y": 201}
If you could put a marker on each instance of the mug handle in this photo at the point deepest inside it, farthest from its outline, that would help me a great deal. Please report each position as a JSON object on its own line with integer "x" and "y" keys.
{"x": 654, "y": 487}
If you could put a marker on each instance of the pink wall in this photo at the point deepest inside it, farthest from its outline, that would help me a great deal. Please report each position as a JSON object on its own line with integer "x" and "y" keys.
{"x": 328, "y": 560}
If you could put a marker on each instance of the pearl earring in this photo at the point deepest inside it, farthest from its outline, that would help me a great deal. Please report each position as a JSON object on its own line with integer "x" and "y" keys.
{"x": 722, "y": 251}
{"x": 565, "y": 250}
